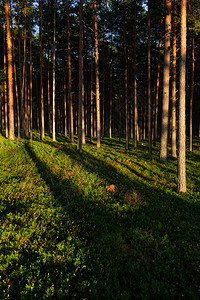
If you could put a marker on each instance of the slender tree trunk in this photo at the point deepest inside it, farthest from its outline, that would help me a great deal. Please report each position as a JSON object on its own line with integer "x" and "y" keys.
{"x": 91, "y": 105}
{"x": 134, "y": 77}
{"x": 174, "y": 84}
{"x": 149, "y": 81}
{"x": 182, "y": 115}
{"x": 54, "y": 75}
{"x": 125, "y": 77}
{"x": 20, "y": 70}
{"x": 31, "y": 85}
{"x": 48, "y": 79}
{"x": 97, "y": 76}
{"x": 166, "y": 74}
{"x": 10, "y": 74}
{"x": 5, "y": 74}
{"x": 81, "y": 96}
{"x": 70, "y": 78}
{"x": 103, "y": 100}
{"x": 17, "y": 95}
{"x": 192, "y": 95}
{"x": 42, "y": 133}
{"x": 65, "y": 97}
{"x": 157, "y": 87}
{"x": 110, "y": 106}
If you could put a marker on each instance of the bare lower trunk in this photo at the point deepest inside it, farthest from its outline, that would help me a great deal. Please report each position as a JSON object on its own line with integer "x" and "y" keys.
{"x": 149, "y": 83}
{"x": 174, "y": 85}
{"x": 10, "y": 74}
{"x": 54, "y": 76}
{"x": 41, "y": 77}
{"x": 166, "y": 73}
{"x": 97, "y": 76}
{"x": 81, "y": 96}
{"x": 192, "y": 94}
{"x": 5, "y": 74}
{"x": 182, "y": 121}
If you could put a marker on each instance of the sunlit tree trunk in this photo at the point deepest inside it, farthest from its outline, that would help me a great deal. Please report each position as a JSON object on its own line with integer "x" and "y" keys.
{"x": 91, "y": 104}
{"x": 125, "y": 77}
{"x": 81, "y": 96}
{"x": 41, "y": 76}
{"x": 25, "y": 76}
{"x": 110, "y": 104}
{"x": 157, "y": 87}
{"x": 31, "y": 84}
{"x": 149, "y": 81}
{"x": 182, "y": 115}
{"x": 166, "y": 74}
{"x": 54, "y": 75}
{"x": 192, "y": 95}
{"x": 97, "y": 76}
{"x": 134, "y": 78}
{"x": 10, "y": 74}
{"x": 174, "y": 83}
{"x": 5, "y": 74}
{"x": 70, "y": 78}
{"x": 48, "y": 79}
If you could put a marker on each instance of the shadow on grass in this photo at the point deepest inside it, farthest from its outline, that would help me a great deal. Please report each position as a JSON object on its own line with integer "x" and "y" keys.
{"x": 149, "y": 249}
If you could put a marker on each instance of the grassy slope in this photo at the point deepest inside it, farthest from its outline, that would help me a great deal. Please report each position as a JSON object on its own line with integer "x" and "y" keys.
{"x": 63, "y": 235}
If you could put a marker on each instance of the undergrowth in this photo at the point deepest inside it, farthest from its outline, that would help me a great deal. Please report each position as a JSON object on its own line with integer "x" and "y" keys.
{"x": 97, "y": 223}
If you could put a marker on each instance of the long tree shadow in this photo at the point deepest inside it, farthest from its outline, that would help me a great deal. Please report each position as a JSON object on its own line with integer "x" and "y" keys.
{"x": 124, "y": 244}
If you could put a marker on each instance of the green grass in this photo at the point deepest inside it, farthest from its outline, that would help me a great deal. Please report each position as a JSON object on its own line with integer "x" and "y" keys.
{"x": 65, "y": 236}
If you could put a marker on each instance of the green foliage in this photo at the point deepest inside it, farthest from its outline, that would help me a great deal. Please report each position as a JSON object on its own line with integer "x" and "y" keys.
{"x": 66, "y": 235}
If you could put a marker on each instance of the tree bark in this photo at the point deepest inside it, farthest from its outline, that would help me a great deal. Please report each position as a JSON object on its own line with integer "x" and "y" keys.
{"x": 54, "y": 75}
{"x": 182, "y": 121}
{"x": 134, "y": 78}
{"x": 5, "y": 74}
{"x": 192, "y": 95}
{"x": 91, "y": 105}
{"x": 81, "y": 96}
{"x": 97, "y": 76}
{"x": 149, "y": 81}
{"x": 166, "y": 76}
{"x": 31, "y": 84}
{"x": 174, "y": 84}
{"x": 125, "y": 77}
{"x": 10, "y": 74}
{"x": 70, "y": 78}
{"x": 42, "y": 133}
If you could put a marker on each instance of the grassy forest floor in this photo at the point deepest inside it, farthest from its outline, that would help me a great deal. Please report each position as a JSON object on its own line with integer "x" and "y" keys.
{"x": 65, "y": 234}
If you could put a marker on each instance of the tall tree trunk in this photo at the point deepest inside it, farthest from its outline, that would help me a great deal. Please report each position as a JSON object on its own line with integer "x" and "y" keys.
{"x": 5, "y": 74}
{"x": 110, "y": 104}
{"x": 166, "y": 73}
{"x": 134, "y": 77}
{"x": 10, "y": 74}
{"x": 157, "y": 87}
{"x": 70, "y": 78}
{"x": 192, "y": 95}
{"x": 182, "y": 121}
{"x": 31, "y": 84}
{"x": 149, "y": 81}
{"x": 97, "y": 75}
{"x": 65, "y": 97}
{"x": 20, "y": 69}
{"x": 48, "y": 78}
{"x": 54, "y": 75}
{"x": 42, "y": 133}
{"x": 174, "y": 84}
{"x": 81, "y": 95}
{"x": 17, "y": 95}
{"x": 91, "y": 105}
{"x": 125, "y": 77}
